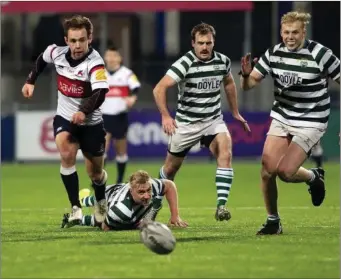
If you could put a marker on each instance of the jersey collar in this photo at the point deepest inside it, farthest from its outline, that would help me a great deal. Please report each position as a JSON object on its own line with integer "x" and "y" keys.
{"x": 73, "y": 62}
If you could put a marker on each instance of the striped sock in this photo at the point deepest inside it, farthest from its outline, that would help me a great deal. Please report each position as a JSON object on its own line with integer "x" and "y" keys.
{"x": 88, "y": 220}
{"x": 88, "y": 201}
{"x": 162, "y": 174}
{"x": 223, "y": 179}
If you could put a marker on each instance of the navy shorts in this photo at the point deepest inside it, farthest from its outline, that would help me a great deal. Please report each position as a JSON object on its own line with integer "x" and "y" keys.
{"x": 91, "y": 138}
{"x": 116, "y": 125}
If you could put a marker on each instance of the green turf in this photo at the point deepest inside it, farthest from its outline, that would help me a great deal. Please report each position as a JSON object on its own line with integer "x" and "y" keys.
{"x": 34, "y": 246}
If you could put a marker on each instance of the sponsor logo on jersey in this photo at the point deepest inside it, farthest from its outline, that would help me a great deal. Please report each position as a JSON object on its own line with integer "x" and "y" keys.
{"x": 100, "y": 75}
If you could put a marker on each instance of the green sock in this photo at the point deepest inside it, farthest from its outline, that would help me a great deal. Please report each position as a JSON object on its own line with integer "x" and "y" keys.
{"x": 88, "y": 201}
{"x": 88, "y": 220}
{"x": 223, "y": 179}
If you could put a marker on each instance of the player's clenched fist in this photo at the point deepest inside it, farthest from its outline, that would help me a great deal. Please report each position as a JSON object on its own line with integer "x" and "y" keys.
{"x": 27, "y": 90}
{"x": 78, "y": 118}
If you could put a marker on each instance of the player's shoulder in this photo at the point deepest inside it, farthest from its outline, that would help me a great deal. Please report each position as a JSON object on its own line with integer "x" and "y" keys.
{"x": 187, "y": 57}
{"x": 274, "y": 48}
{"x": 158, "y": 182}
{"x": 94, "y": 58}
{"x": 55, "y": 50}
{"x": 314, "y": 47}
{"x": 221, "y": 57}
{"x": 125, "y": 70}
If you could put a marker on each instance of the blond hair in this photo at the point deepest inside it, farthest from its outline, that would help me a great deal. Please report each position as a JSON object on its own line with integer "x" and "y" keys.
{"x": 296, "y": 16}
{"x": 138, "y": 178}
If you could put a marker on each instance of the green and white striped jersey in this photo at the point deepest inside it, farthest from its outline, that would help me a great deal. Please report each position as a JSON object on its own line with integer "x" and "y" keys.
{"x": 199, "y": 86}
{"x": 123, "y": 212}
{"x": 301, "y": 83}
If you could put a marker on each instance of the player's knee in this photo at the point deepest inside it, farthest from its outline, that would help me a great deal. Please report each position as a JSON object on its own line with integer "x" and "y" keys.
{"x": 268, "y": 169}
{"x": 68, "y": 157}
{"x": 285, "y": 173}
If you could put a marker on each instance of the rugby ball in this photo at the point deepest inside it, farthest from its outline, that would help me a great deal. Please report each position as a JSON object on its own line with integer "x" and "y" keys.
{"x": 158, "y": 238}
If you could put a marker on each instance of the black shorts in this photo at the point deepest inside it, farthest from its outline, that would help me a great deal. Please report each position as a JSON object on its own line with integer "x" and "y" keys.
{"x": 91, "y": 138}
{"x": 116, "y": 125}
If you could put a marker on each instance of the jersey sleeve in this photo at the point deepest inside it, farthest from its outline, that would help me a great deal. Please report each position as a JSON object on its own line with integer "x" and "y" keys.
{"x": 179, "y": 69}
{"x": 158, "y": 188}
{"x": 48, "y": 53}
{"x": 227, "y": 62}
{"x": 133, "y": 81}
{"x": 330, "y": 65}
{"x": 263, "y": 64}
{"x": 97, "y": 74}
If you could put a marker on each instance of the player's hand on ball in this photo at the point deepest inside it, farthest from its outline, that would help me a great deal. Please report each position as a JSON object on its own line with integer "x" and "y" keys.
{"x": 78, "y": 118}
{"x": 27, "y": 90}
{"x": 240, "y": 118}
{"x": 177, "y": 222}
{"x": 169, "y": 125}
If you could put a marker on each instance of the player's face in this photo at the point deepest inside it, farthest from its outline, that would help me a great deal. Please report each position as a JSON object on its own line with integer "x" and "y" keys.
{"x": 203, "y": 46}
{"x": 293, "y": 34}
{"x": 112, "y": 59}
{"x": 78, "y": 41}
{"x": 142, "y": 193}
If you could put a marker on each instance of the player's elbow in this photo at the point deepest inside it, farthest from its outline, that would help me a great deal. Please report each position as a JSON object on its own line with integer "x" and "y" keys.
{"x": 169, "y": 186}
{"x": 159, "y": 89}
{"x": 156, "y": 90}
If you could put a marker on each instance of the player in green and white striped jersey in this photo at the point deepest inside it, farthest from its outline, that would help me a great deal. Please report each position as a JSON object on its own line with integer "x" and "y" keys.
{"x": 300, "y": 69}
{"x": 199, "y": 75}
{"x": 130, "y": 203}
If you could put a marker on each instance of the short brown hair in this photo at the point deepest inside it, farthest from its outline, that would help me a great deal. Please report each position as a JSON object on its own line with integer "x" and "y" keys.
{"x": 203, "y": 29}
{"x": 296, "y": 16}
{"x": 77, "y": 22}
{"x": 139, "y": 177}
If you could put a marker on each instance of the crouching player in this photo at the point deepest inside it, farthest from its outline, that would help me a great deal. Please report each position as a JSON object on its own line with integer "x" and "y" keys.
{"x": 129, "y": 204}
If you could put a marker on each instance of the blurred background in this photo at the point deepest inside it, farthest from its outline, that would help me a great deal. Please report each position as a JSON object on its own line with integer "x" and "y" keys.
{"x": 151, "y": 36}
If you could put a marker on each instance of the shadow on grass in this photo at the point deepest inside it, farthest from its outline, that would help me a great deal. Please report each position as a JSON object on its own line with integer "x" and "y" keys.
{"x": 117, "y": 241}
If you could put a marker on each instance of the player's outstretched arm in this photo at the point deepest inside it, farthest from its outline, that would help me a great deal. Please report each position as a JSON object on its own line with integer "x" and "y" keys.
{"x": 171, "y": 194}
{"x": 38, "y": 68}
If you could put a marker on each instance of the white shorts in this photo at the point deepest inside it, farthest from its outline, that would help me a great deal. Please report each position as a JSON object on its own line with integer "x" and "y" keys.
{"x": 187, "y": 135}
{"x": 305, "y": 137}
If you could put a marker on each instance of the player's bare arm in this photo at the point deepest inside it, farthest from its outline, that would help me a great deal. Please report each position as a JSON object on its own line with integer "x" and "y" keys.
{"x": 171, "y": 195}
{"x": 160, "y": 90}
{"x": 231, "y": 96}
{"x": 249, "y": 78}
{"x": 37, "y": 69}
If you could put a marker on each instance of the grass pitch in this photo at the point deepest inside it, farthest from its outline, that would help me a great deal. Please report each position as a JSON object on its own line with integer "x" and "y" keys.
{"x": 34, "y": 246}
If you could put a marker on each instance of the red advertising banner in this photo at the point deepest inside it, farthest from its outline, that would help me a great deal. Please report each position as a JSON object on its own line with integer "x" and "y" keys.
{"x": 120, "y": 6}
